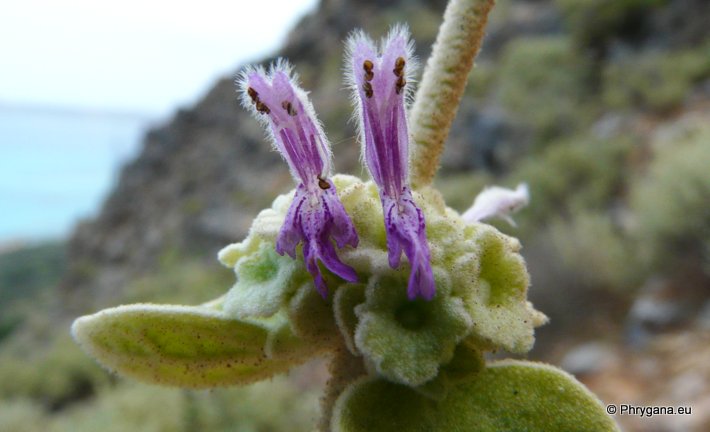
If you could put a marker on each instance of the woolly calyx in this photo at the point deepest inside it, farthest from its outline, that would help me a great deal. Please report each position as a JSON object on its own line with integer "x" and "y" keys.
{"x": 263, "y": 279}
{"x": 408, "y": 340}
{"x": 480, "y": 271}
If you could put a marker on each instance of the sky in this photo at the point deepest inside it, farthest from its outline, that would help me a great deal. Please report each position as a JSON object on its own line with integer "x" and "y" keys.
{"x": 68, "y": 67}
{"x": 145, "y": 56}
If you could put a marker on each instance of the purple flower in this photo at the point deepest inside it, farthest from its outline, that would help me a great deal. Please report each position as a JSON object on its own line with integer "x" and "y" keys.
{"x": 316, "y": 216}
{"x": 379, "y": 80}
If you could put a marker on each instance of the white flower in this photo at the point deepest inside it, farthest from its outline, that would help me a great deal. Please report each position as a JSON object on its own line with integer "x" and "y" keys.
{"x": 498, "y": 202}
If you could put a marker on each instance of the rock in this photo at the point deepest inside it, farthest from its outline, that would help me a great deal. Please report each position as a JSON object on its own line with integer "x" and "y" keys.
{"x": 609, "y": 125}
{"x": 519, "y": 19}
{"x": 480, "y": 139}
{"x": 703, "y": 319}
{"x": 656, "y": 313}
{"x": 688, "y": 386}
{"x": 589, "y": 358}
{"x": 664, "y": 304}
{"x": 673, "y": 27}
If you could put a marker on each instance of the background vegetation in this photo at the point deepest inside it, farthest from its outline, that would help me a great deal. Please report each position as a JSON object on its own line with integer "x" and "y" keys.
{"x": 601, "y": 106}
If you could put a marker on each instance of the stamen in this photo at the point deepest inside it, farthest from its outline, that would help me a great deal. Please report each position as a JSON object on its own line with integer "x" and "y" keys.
{"x": 262, "y": 108}
{"x": 286, "y": 105}
{"x": 367, "y": 65}
{"x": 401, "y": 82}
{"x": 368, "y": 89}
{"x": 399, "y": 67}
{"x": 253, "y": 95}
{"x": 323, "y": 184}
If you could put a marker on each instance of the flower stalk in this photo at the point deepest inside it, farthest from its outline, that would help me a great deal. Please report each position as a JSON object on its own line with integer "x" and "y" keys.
{"x": 443, "y": 84}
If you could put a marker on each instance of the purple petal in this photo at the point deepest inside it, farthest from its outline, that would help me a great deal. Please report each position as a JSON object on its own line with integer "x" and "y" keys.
{"x": 343, "y": 230}
{"x": 380, "y": 83}
{"x": 276, "y": 99}
{"x": 316, "y": 216}
{"x": 291, "y": 233}
{"x": 405, "y": 228}
{"x": 322, "y": 250}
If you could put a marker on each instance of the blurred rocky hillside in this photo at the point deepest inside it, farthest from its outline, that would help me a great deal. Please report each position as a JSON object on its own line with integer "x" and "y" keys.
{"x": 549, "y": 70}
{"x": 202, "y": 177}
{"x": 602, "y": 106}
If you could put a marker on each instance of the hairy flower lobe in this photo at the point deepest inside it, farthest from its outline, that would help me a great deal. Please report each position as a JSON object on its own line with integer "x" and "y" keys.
{"x": 378, "y": 78}
{"x": 316, "y": 216}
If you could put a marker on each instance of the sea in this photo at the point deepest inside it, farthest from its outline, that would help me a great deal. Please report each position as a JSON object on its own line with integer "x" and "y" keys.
{"x": 57, "y": 165}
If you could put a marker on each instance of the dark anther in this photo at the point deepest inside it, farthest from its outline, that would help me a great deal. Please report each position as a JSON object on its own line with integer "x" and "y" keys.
{"x": 400, "y": 84}
{"x": 367, "y": 66}
{"x": 253, "y": 95}
{"x": 399, "y": 67}
{"x": 323, "y": 184}
{"x": 262, "y": 108}
{"x": 368, "y": 89}
{"x": 289, "y": 108}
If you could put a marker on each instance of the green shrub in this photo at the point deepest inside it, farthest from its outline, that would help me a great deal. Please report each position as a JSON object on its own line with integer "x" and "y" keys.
{"x": 481, "y": 80}
{"x": 9, "y": 322}
{"x": 54, "y": 377}
{"x": 25, "y": 271}
{"x": 19, "y": 415}
{"x": 672, "y": 202}
{"x": 594, "y": 22}
{"x": 542, "y": 82}
{"x": 180, "y": 281}
{"x": 571, "y": 176}
{"x": 243, "y": 409}
{"x": 133, "y": 407}
{"x": 597, "y": 252}
{"x": 658, "y": 81}
{"x": 125, "y": 408}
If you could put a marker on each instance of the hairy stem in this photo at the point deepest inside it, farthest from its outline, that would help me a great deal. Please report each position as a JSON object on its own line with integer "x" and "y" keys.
{"x": 443, "y": 83}
{"x": 344, "y": 368}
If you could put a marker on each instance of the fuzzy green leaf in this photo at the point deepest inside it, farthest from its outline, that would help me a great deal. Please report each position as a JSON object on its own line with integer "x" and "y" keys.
{"x": 179, "y": 345}
{"x": 407, "y": 340}
{"x": 506, "y": 396}
{"x": 498, "y": 303}
{"x": 346, "y": 298}
{"x": 467, "y": 362}
{"x": 311, "y": 317}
